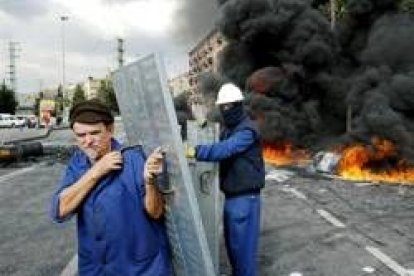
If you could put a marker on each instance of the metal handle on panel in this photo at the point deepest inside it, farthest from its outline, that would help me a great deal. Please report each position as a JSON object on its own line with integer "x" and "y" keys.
{"x": 204, "y": 182}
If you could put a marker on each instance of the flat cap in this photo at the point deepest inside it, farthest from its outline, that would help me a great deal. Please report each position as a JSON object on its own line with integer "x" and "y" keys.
{"x": 90, "y": 112}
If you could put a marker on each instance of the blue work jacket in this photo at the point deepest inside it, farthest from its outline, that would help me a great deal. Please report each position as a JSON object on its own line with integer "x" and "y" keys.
{"x": 115, "y": 234}
{"x": 240, "y": 155}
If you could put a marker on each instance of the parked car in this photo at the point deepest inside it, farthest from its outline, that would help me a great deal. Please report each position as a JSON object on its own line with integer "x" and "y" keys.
{"x": 6, "y": 120}
{"x": 18, "y": 121}
{"x": 29, "y": 120}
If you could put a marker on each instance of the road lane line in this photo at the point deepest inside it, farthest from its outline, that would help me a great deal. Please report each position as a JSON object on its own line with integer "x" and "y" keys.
{"x": 323, "y": 213}
{"x": 71, "y": 268}
{"x": 15, "y": 173}
{"x": 295, "y": 192}
{"x": 330, "y": 218}
{"x": 388, "y": 261}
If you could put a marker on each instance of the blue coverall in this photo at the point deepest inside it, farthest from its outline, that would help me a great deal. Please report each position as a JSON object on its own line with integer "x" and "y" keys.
{"x": 115, "y": 234}
{"x": 241, "y": 215}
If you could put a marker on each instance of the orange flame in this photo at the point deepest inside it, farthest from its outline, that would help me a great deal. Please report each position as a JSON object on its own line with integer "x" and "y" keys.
{"x": 284, "y": 153}
{"x": 356, "y": 163}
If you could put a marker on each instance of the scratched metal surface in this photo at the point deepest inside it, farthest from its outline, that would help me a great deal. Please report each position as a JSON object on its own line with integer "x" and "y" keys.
{"x": 149, "y": 118}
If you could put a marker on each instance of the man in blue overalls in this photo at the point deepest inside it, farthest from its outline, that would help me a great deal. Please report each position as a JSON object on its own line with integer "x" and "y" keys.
{"x": 119, "y": 209}
{"x": 241, "y": 179}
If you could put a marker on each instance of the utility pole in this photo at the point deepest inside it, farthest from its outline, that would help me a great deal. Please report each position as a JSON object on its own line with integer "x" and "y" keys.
{"x": 63, "y": 19}
{"x": 40, "y": 82}
{"x": 120, "y": 52}
{"x": 333, "y": 13}
{"x": 13, "y": 49}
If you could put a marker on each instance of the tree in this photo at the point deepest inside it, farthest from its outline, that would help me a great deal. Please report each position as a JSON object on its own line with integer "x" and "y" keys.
{"x": 37, "y": 103}
{"x": 59, "y": 105}
{"x": 408, "y": 6}
{"x": 106, "y": 94}
{"x": 8, "y": 102}
{"x": 325, "y": 7}
{"x": 78, "y": 96}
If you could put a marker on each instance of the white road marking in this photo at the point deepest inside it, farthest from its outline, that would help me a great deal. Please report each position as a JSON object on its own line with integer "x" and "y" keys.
{"x": 330, "y": 218}
{"x": 368, "y": 269}
{"x": 388, "y": 261}
{"x": 279, "y": 175}
{"x": 15, "y": 173}
{"x": 71, "y": 268}
{"x": 294, "y": 191}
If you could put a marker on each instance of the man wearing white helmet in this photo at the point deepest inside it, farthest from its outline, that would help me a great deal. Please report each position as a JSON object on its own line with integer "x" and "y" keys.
{"x": 241, "y": 178}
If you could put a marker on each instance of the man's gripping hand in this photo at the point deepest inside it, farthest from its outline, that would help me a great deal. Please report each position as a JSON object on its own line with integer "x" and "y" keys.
{"x": 109, "y": 162}
{"x": 190, "y": 151}
{"x": 153, "y": 166}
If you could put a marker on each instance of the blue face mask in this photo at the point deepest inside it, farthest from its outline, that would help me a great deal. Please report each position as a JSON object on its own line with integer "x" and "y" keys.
{"x": 234, "y": 115}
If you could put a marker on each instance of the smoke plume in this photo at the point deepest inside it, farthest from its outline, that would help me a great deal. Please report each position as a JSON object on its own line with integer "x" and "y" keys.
{"x": 183, "y": 112}
{"x": 302, "y": 78}
{"x": 193, "y": 19}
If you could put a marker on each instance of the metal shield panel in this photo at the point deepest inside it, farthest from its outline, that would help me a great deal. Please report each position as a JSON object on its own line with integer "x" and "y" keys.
{"x": 149, "y": 118}
{"x": 206, "y": 186}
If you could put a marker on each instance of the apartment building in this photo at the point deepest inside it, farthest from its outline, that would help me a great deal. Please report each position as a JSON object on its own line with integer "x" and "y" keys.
{"x": 91, "y": 87}
{"x": 179, "y": 84}
{"x": 204, "y": 58}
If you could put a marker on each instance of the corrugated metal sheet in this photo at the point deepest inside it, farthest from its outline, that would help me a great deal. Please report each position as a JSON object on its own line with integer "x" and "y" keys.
{"x": 206, "y": 186}
{"x": 149, "y": 118}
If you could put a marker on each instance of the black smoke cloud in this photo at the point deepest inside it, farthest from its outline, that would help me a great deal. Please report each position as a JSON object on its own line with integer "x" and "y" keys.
{"x": 382, "y": 89}
{"x": 183, "y": 112}
{"x": 291, "y": 42}
{"x": 301, "y": 77}
{"x": 193, "y": 20}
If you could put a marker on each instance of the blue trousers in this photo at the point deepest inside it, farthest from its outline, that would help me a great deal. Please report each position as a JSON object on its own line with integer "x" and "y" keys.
{"x": 241, "y": 233}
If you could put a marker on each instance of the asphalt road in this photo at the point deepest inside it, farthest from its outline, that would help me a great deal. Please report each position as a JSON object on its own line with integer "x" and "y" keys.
{"x": 311, "y": 225}
{"x": 318, "y": 226}
{"x": 30, "y": 244}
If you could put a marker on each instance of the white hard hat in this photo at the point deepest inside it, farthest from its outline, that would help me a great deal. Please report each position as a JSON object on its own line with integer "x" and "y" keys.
{"x": 229, "y": 93}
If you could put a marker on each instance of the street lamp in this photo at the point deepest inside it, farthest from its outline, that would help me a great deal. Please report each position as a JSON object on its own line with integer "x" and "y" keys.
{"x": 63, "y": 19}
{"x": 63, "y": 100}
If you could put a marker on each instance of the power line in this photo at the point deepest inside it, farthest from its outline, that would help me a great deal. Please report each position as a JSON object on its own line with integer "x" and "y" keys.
{"x": 120, "y": 52}
{"x": 13, "y": 50}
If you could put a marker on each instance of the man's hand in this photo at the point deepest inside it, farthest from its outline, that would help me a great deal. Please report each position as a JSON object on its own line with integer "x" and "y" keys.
{"x": 202, "y": 123}
{"x": 109, "y": 162}
{"x": 189, "y": 151}
{"x": 153, "y": 166}
{"x": 154, "y": 202}
{"x": 72, "y": 196}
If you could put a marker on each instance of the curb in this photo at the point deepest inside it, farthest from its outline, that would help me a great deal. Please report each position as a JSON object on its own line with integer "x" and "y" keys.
{"x": 49, "y": 130}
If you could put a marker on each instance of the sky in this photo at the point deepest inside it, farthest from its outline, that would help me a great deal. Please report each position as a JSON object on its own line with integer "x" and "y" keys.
{"x": 170, "y": 27}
